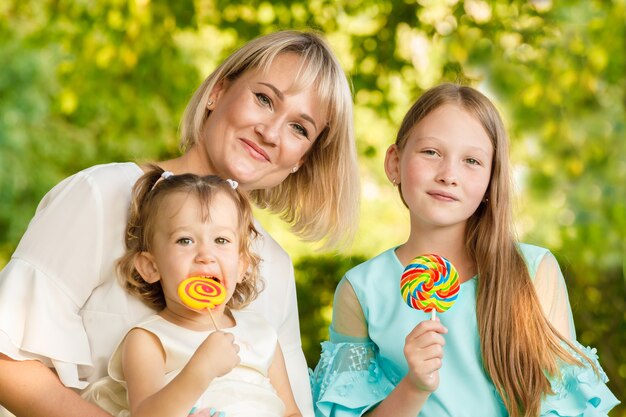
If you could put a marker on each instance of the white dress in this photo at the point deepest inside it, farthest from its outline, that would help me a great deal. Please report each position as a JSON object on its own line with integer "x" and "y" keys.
{"x": 60, "y": 300}
{"x": 245, "y": 391}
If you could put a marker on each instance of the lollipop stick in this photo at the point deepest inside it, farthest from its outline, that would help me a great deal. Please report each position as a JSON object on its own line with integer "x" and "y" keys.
{"x": 212, "y": 318}
{"x": 433, "y": 316}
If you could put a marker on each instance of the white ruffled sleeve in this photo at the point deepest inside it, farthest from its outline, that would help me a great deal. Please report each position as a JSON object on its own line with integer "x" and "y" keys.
{"x": 50, "y": 276}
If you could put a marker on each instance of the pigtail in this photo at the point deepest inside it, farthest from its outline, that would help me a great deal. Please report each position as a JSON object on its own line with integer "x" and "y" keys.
{"x": 136, "y": 241}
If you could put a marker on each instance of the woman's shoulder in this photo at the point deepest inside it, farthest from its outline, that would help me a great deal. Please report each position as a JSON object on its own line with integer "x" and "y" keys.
{"x": 113, "y": 173}
{"x": 97, "y": 179}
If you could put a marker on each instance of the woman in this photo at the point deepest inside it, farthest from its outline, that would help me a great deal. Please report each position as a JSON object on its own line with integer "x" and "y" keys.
{"x": 275, "y": 113}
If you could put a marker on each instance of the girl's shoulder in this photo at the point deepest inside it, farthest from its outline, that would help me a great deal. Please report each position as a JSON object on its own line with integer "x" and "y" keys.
{"x": 371, "y": 278}
{"x": 383, "y": 259}
{"x": 533, "y": 255}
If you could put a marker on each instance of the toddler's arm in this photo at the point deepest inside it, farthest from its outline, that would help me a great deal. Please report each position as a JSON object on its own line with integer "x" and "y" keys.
{"x": 143, "y": 362}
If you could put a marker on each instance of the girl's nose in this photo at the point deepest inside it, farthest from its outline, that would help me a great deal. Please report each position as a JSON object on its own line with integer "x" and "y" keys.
{"x": 204, "y": 255}
{"x": 447, "y": 174}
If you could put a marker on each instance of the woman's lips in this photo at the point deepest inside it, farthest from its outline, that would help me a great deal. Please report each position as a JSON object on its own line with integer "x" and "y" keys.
{"x": 256, "y": 151}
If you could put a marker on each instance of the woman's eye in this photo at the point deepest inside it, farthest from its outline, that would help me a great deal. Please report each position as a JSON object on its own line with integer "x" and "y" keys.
{"x": 185, "y": 241}
{"x": 263, "y": 99}
{"x": 301, "y": 130}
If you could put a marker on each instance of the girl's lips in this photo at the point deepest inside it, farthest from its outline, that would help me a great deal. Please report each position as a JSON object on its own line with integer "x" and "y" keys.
{"x": 255, "y": 151}
{"x": 442, "y": 195}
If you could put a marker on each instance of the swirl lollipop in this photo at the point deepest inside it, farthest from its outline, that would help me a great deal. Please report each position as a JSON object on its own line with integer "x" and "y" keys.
{"x": 200, "y": 293}
{"x": 430, "y": 283}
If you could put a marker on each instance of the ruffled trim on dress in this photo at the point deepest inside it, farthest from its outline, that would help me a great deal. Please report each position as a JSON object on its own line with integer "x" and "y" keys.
{"x": 44, "y": 324}
{"x": 348, "y": 380}
{"x": 578, "y": 391}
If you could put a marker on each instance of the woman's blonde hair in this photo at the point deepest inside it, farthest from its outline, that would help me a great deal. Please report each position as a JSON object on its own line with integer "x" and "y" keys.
{"x": 320, "y": 200}
{"x": 519, "y": 346}
{"x": 148, "y": 195}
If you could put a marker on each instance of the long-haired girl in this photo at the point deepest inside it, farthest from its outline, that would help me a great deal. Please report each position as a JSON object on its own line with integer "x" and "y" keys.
{"x": 507, "y": 347}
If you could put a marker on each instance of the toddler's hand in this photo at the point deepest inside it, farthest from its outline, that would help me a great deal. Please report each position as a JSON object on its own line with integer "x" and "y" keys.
{"x": 220, "y": 350}
{"x": 423, "y": 350}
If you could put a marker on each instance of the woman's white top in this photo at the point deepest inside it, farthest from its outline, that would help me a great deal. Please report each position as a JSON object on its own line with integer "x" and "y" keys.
{"x": 60, "y": 299}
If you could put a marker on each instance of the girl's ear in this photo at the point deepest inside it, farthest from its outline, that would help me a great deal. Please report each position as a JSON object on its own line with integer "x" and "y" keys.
{"x": 392, "y": 164}
{"x": 147, "y": 268}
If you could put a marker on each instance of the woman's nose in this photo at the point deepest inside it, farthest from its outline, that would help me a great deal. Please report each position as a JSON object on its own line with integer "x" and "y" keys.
{"x": 269, "y": 130}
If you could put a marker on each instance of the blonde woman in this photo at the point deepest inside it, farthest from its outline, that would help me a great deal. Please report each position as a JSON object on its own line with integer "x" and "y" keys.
{"x": 274, "y": 116}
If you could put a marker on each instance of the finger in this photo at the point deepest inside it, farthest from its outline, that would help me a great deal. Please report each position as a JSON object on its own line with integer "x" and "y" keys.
{"x": 427, "y": 326}
{"x": 424, "y": 340}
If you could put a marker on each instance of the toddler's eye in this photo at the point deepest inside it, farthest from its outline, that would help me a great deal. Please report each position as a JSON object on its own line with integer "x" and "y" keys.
{"x": 185, "y": 241}
{"x": 221, "y": 241}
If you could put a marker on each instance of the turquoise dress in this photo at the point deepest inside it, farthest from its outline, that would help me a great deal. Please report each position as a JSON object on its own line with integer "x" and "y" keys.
{"x": 354, "y": 376}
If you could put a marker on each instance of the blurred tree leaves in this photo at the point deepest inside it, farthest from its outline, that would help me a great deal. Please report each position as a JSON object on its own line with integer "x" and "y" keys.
{"x": 89, "y": 82}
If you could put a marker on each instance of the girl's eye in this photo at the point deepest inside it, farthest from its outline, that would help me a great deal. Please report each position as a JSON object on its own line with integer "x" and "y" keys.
{"x": 472, "y": 161}
{"x": 301, "y": 130}
{"x": 221, "y": 241}
{"x": 431, "y": 152}
{"x": 263, "y": 99}
{"x": 185, "y": 241}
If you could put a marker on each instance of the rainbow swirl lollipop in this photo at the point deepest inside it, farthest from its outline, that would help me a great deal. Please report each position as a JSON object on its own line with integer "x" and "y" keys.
{"x": 430, "y": 283}
{"x": 201, "y": 292}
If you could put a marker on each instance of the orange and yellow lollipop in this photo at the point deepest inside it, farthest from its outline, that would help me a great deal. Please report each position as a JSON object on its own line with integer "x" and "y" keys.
{"x": 202, "y": 292}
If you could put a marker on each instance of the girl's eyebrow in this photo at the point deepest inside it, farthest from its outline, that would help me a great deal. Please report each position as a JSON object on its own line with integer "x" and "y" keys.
{"x": 281, "y": 96}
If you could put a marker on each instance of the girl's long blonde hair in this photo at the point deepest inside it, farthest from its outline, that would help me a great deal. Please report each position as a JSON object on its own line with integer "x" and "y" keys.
{"x": 520, "y": 348}
{"x": 329, "y": 173}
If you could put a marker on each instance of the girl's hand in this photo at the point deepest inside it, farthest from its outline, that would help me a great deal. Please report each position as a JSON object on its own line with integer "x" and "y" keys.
{"x": 423, "y": 350}
{"x": 220, "y": 352}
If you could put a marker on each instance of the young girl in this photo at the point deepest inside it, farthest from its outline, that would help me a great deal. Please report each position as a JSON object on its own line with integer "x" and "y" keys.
{"x": 176, "y": 362}
{"x": 507, "y": 346}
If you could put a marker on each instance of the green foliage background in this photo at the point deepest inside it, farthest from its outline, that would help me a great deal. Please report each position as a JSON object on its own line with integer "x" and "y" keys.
{"x": 86, "y": 82}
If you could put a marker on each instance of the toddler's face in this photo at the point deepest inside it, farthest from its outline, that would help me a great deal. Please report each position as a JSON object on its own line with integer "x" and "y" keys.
{"x": 188, "y": 243}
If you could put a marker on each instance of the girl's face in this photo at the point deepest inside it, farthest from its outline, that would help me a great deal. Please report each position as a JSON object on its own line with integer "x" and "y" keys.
{"x": 259, "y": 129}
{"x": 187, "y": 244}
{"x": 445, "y": 167}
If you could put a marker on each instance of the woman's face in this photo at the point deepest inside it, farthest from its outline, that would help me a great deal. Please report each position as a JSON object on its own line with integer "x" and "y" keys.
{"x": 260, "y": 128}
